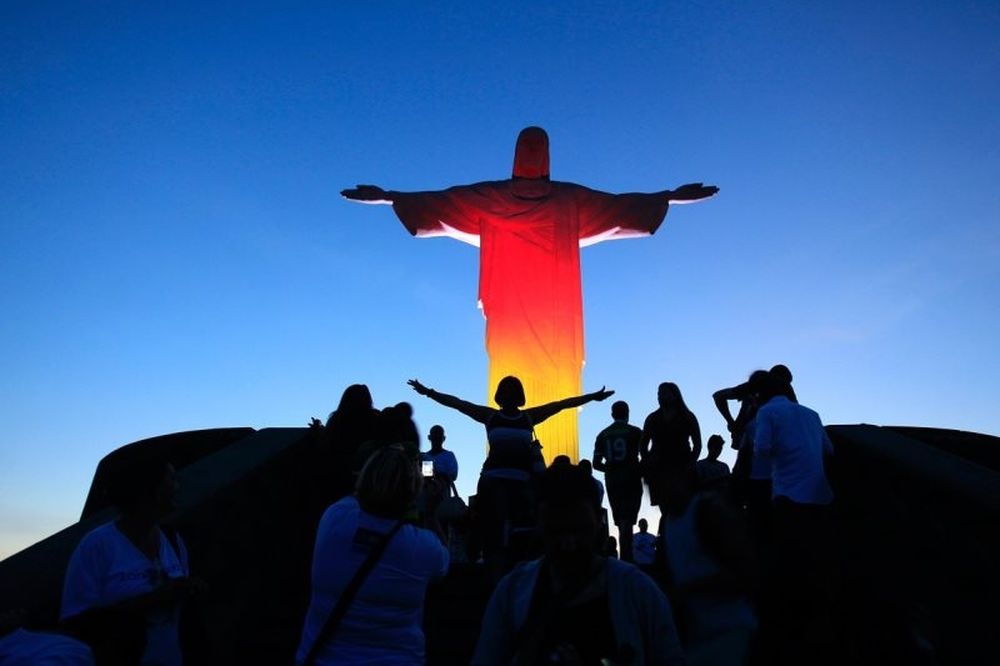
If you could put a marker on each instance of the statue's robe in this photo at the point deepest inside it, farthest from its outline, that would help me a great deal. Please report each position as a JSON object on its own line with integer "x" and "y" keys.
{"x": 529, "y": 232}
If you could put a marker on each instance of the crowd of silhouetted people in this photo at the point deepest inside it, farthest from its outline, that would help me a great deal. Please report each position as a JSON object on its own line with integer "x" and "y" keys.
{"x": 738, "y": 570}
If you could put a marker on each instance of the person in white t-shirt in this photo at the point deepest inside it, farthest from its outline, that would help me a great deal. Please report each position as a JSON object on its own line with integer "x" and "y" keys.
{"x": 792, "y": 438}
{"x": 130, "y": 571}
{"x": 383, "y": 623}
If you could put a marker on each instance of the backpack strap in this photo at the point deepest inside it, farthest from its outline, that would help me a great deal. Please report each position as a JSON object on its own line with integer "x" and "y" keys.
{"x": 347, "y": 596}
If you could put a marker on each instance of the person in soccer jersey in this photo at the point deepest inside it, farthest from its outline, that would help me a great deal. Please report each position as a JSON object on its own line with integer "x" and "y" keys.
{"x": 616, "y": 453}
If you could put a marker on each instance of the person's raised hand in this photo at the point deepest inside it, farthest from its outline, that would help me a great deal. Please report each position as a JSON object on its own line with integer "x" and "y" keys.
{"x": 602, "y": 394}
{"x": 692, "y": 192}
{"x": 367, "y": 194}
{"x": 418, "y": 387}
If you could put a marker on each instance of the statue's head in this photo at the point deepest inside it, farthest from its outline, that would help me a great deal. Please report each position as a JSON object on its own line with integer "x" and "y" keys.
{"x": 531, "y": 156}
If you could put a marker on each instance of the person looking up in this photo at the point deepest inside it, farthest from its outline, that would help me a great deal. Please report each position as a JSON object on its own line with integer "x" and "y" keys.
{"x": 616, "y": 453}
{"x": 671, "y": 439}
{"x": 503, "y": 493}
{"x": 574, "y": 605}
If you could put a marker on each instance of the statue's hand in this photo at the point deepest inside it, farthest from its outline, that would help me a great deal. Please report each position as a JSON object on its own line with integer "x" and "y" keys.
{"x": 692, "y": 192}
{"x": 367, "y": 194}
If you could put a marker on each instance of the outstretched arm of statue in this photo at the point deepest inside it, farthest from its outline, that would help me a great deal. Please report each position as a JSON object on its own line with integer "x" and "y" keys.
{"x": 480, "y": 413}
{"x": 542, "y": 412}
{"x": 370, "y": 194}
{"x": 690, "y": 193}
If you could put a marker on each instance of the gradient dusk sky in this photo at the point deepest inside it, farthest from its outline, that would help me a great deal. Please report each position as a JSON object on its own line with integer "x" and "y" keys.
{"x": 176, "y": 254}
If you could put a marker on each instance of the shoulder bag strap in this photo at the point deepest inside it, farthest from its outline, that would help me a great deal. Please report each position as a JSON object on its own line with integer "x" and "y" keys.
{"x": 347, "y": 596}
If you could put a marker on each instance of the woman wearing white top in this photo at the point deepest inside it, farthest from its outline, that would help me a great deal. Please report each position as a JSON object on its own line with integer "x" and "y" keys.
{"x": 126, "y": 579}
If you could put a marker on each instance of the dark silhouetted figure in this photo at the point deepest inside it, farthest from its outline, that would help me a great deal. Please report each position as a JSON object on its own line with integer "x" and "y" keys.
{"x": 354, "y": 422}
{"x": 611, "y": 547}
{"x": 737, "y": 426}
{"x": 643, "y": 545}
{"x": 503, "y": 496}
{"x": 710, "y": 571}
{"x": 444, "y": 461}
{"x": 712, "y": 471}
{"x": 382, "y": 623}
{"x": 574, "y": 605}
{"x": 127, "y": 579}
{"x": 616, "y": 453}
{"x": 529, "y": 230}
{"x": 588, "y": 468}
{"x": 671, "y": 439}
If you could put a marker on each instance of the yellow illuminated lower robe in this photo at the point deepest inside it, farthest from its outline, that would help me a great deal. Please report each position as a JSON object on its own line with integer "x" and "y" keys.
{"x": 529, "y": 232}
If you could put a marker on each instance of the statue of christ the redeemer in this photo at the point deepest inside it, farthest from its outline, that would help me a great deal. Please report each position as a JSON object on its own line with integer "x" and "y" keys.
{"x": 529, "y": 231}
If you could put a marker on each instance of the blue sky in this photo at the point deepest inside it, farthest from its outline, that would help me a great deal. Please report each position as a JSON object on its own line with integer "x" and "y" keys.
{"x": 175, "y": 254}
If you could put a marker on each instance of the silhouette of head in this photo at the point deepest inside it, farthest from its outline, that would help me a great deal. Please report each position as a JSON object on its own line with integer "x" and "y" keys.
{"x": 388, "y": 482}
{"x": 436, "y": 436}
{"x": 669, "y": 395}
{"x": 139, "y": 483}
{"x": 531, "y": 155}
{"x": 643, "y": 525}
{"x": 395, "y": 425}
{"x": 782, "y": 372}
{"x": 567, "y": 518}
{"x": 356, "y": 398}
{"x": 715, "y": 443}
{"x": 765, "y": 385}
{"x": 587, "y": 467}
{"x": 509, "y": 393}
{"x": 619, "y": 410}
{"x": 561, "y": 460}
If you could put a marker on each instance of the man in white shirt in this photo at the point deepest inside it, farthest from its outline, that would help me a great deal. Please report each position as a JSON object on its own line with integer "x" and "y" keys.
{"x": 792, "y": 438}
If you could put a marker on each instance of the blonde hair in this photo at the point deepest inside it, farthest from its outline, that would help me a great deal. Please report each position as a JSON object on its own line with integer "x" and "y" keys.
{"x": 388, "y": 482}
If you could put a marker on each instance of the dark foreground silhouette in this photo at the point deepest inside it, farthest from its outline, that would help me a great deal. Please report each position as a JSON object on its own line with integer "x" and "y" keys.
{"x": 911, "y": 540}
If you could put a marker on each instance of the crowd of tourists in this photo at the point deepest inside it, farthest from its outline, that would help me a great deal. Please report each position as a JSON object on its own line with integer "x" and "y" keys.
{"x": 736, "y": 572}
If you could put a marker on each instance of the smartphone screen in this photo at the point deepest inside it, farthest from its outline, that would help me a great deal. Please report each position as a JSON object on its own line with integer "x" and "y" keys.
{"x": 428, "y": 467}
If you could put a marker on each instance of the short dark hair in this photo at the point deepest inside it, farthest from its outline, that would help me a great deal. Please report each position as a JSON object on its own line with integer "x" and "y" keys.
{"x": 566, "y": 484}
{"x": 760, "y": 381}
{"x": 619, "y": 410}
{"x": 781, "y": 372}
{"x": 715, "y": 440}
{"x": 510, "y": 392}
